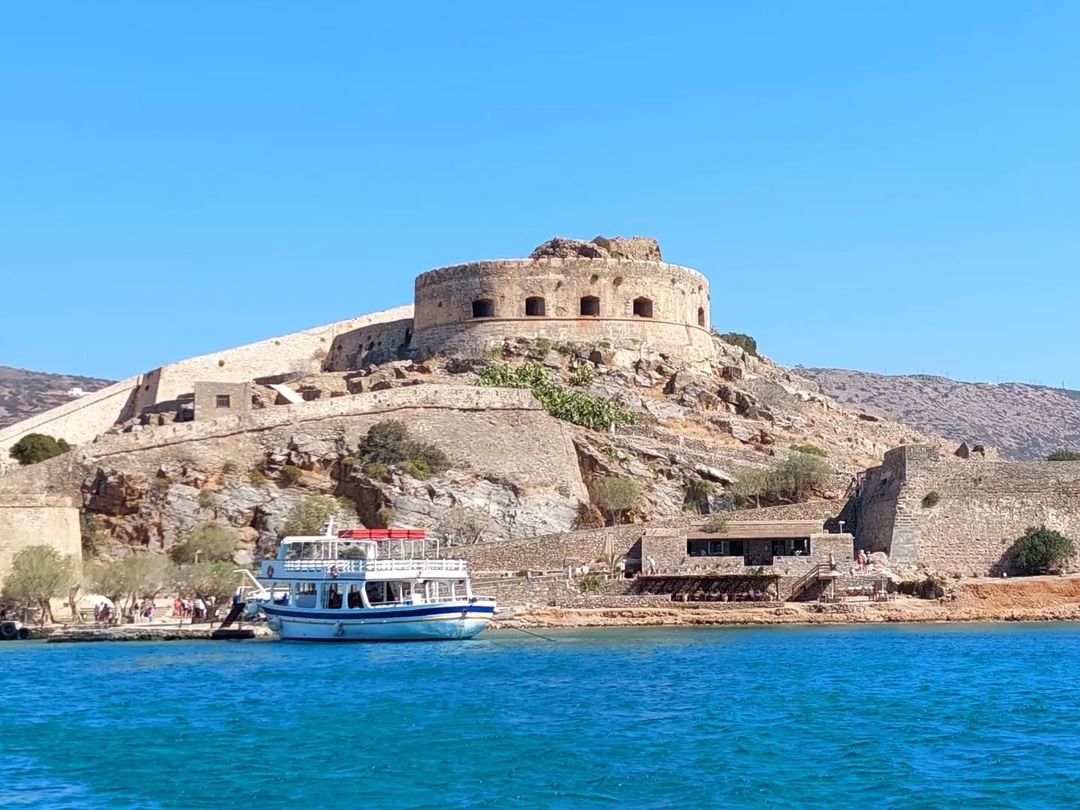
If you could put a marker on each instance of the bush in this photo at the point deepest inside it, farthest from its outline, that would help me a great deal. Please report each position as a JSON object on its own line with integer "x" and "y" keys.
{"x": 387, "y": 444}
{"x": 140, "y": 576}
{"x": 790, "y": 481}
{"x": 210, "y": 542}
{"x": 385, "y": 516}
{"x": 35, "y": 447}
{"x": 598, "y": 413}
{"x": 256, "y": 477}
{"x": 931, "y": 499}
{"x": 228, "y": 468}
{"x": 418, "y": 468}
{"x": 615, "y": 495}
{"x": 90, "y": 535}
{"x": 1064, "y": 455}
{"x": 463, "y": 526}
{"x": 310, "y": 515}
{"x": 716, "y": 524}
{"x": 377, "y": 471}
{"x": 206, "y": 499}
{"x": 1040, "y": 550}
{"x": 291, "y": 475}
{"x": 582, "y": 376}
{"x": 809, "y": 449}
{"x": 38, "y": 574}
{"x": 744, "y": 342}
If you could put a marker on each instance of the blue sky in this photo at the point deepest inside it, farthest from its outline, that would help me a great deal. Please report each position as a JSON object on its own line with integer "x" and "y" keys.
{"x": 885, "y": 186}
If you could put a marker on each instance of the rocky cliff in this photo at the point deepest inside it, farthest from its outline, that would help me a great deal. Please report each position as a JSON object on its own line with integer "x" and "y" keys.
{"x": 1021, "y": 421}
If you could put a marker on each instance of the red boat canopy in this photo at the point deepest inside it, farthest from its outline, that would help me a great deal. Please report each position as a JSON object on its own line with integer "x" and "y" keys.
{"x": 381, "y": 534}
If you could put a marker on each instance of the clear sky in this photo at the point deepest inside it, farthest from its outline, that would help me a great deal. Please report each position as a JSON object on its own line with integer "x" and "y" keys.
{"x": 885, "y": 186}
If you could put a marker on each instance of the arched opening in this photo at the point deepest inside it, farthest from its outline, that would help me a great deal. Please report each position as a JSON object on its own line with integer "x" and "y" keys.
{"x": 534, "y": 306}
{"x": 642, "y": 308}
{"x": 701, "y": 317}
{"x": 483, "y": 308}
{"x": 590, "y": 306}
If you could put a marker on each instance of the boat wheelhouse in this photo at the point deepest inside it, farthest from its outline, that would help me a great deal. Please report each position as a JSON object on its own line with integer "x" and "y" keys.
{"x": 367, "y": 585}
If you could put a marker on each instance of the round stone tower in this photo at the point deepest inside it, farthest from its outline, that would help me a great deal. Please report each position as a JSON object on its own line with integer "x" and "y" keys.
{"x": 613, "y": 290}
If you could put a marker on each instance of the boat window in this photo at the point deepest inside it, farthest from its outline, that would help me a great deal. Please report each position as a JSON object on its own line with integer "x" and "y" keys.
{"x": 331, "y": 596}
{"x": 305, "y": 594}
{"x": 354, "y": 601}
{"x": 376, "y": 592}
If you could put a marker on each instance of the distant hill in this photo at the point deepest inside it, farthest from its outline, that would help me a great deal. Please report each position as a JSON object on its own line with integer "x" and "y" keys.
{"x": 1021, "y": 421}
{"x": 25, "y": 393}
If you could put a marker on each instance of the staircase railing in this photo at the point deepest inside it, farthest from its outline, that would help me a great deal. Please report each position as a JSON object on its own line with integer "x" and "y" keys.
{"x": 812, "y": 576}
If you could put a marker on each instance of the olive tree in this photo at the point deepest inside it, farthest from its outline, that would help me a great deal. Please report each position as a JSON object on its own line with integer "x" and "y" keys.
{"x": 210, "y": 542}
{"x": 464, "y": 526}
{"x": 39, "y": 574}
{"x": 615, "y": 495}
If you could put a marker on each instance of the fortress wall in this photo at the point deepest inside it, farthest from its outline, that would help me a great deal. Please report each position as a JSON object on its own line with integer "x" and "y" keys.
{"x": 679, "y": 297}
{"x": 78, "y": 421}
{"x": 38, "y": 520}
{"x": 302, "y": 352}
{"x": 985, "y": 506}
{"x": 369, "y": 345}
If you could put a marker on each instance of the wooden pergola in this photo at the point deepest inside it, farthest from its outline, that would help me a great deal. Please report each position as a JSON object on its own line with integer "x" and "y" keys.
{"x": 705, "y": 587}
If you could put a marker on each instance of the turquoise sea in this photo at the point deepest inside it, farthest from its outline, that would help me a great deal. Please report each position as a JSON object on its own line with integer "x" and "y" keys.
{"x": 861, "y": 717}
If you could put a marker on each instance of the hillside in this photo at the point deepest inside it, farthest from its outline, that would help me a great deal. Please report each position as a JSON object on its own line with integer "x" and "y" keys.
{"x": 25, "y": 393}
{"x": 1021, "y": 421}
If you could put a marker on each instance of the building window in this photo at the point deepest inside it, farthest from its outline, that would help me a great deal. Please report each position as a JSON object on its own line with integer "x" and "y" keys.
{"x": 590, "y": 306}
{"x": 223, "y": 401}
{"x": 483, "y": 308}
{"x": 701, "y": 316}
{"x": 534, "y": 307}
{"x": 642, "y": 308}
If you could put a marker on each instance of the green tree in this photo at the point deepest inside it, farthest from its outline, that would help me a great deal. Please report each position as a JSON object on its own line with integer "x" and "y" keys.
{"x": 615, "y": 495}
{"x": 310, "y": 515}
{"x": 210, "y": 542}
{"x": 1039, "y": 550}
{"x": 39, "y": 574}
{"x": 744, "y": 342}
{"x": 792, "y": 480}
{"x": 698, "y": 493}
{"x": 388, "y": 444}
{"x": 35, "y": 447}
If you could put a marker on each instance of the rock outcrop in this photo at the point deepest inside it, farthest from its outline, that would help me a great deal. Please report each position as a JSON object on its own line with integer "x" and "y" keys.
{"x": 643, "y": 248}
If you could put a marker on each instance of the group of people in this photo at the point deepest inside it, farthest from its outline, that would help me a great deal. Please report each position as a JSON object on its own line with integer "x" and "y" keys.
{"x": 197, "y": 609}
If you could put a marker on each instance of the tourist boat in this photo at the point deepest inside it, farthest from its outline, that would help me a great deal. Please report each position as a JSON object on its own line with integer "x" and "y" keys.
{"x": 366, "y": 585}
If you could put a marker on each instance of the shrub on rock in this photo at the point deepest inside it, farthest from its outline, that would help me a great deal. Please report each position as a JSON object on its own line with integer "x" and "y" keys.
{"x": 1040, "y": 550}
{"x": 35, "y": 447}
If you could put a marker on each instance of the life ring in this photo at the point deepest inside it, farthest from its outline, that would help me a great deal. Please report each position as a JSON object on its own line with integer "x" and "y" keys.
{"x": 334, "y": 572}
{"x": 8, "y": 630}
{"x": 24, "y": 633}
{"x": 269, "y": 570}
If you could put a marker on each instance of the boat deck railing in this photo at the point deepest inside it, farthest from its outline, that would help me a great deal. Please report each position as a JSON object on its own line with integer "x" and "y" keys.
{"x": 370, "y": 566}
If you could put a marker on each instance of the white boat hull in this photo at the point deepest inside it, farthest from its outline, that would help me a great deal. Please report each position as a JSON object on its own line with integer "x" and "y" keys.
{"x": 430, "y": 622}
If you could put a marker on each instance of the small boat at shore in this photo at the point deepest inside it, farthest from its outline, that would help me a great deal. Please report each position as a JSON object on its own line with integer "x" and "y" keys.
{"x": 366, "y": 585}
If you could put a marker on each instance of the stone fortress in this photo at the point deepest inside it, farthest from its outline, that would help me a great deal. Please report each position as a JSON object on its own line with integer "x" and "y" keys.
{"x": 143, "y": 444}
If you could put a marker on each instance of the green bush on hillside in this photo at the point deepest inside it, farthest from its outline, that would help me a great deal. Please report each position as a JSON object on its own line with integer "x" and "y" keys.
{"x": 1064, "y": 455}
{"x": 792, "y": 480}
{"x": 577, "y": 407}
{"x": 809, "y": 449}
{"x": 388, "y": 444}
{"x": 1040, "y": 550}
{"x": 35, "y": 447}
{"x": 744, "y": 342}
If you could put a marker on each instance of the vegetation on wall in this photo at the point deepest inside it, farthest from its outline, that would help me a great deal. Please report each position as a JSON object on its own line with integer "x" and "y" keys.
{"x": 1040, "y": 550}
{"x": 1064, "y": 455}
{"x": 698, "y": 494}
{"x": 931, "y": 499}
{"x": 578, "y": 407}
{"x": 792, "y": 480}
{"x": 35, "y": 447}
{"x": 388, "y": 444}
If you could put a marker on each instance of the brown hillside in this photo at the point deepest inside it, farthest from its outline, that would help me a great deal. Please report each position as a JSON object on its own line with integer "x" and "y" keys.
{"x": 26, "y": 393}
{"x": 1022, "y": 421}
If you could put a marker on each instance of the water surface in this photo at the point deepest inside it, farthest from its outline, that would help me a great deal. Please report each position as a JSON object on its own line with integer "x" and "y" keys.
{"x": 860, "y": 717}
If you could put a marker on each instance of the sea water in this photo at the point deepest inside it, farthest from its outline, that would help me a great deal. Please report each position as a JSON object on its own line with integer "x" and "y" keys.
{"x": 828, "y": 717}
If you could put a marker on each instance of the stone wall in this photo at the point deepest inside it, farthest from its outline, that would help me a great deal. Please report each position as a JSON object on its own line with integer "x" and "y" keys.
{"x": 678, "y": 296}
{"x": 984, "y": 507}
{"x": 552, "y": 552}
{"x": 28, "y": 520}
{"x": 208, "y": 405}
{"x": 367, "y": 345}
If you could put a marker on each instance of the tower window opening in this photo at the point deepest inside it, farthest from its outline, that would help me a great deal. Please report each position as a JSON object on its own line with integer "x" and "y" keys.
{"x": 590, "y": 306}
{"x": 701, "y": 317}
{"x": 483, "y": 308}
{"x": 642, "y": 308}
{"x": 534, "y": 307}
